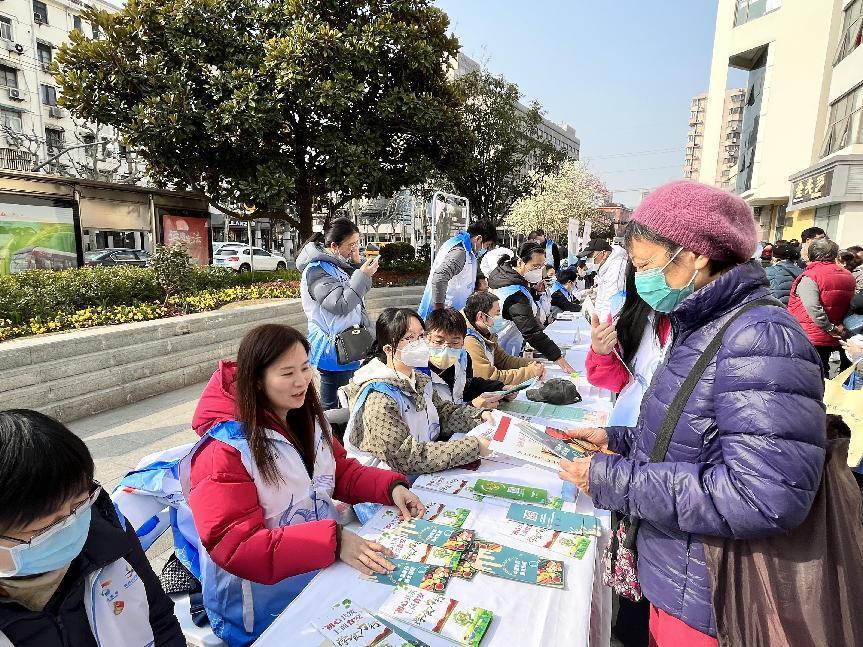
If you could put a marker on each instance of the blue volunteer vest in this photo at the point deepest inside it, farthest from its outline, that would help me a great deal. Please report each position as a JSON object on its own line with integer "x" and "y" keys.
{"x": 461, "y": 286}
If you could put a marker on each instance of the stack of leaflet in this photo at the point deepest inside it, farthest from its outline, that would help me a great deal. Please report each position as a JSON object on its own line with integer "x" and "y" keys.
{"x": 479, "y": 489}
{"x": 567, "y": 533}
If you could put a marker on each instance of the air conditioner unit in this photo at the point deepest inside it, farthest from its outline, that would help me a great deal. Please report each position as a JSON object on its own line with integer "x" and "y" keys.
{"x": 46, "y": 67}
{"x": 56, "y": 112}
{"x": 38, "y": 18}
{"x": 9, "y": 45}
{"x": 16, "y": 94}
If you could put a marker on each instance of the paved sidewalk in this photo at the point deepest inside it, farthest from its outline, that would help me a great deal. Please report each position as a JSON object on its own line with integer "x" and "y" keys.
{"x": 119, "y": 439}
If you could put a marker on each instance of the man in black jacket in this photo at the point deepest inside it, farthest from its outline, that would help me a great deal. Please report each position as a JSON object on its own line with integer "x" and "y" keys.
{"x": 107, "y": 584}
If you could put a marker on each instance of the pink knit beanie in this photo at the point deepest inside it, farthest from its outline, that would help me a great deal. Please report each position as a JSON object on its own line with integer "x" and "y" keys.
{"x": 707, "y": 220}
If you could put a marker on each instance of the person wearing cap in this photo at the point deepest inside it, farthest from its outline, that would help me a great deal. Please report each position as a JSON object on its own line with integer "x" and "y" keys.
{"x": 609, "y": 262}
{"x": 746, "y": 456}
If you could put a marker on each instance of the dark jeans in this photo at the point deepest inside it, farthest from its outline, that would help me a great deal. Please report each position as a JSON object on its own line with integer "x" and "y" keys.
{"x": 824, "y": 352}
{"x": 330, "y": 383}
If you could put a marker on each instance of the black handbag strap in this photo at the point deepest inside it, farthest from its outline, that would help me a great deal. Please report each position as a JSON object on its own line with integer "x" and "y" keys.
{"x": 675, "y": 409}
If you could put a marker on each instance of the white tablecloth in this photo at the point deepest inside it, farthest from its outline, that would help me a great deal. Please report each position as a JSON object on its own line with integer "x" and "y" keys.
{"x": 525, "y": 615}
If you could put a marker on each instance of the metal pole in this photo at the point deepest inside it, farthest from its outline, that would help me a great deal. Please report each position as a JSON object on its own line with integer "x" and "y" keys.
{"x": 251, "y": 250}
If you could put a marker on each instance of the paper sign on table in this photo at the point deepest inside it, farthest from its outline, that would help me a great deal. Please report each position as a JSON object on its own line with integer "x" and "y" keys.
{"x": 422, "y": 576}
{"x": 570, "y": 522}
{"x": 439, "y": 615}
{"x": 510, "y": 491}
{"x": 512, "y": 564}
{"x": 345, "y": 624}
{"x": 414, "y": 551}
{"x": 457, "y": 539}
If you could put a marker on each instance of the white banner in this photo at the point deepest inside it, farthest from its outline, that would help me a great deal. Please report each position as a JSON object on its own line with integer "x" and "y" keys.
{"x": 572, "y": 239}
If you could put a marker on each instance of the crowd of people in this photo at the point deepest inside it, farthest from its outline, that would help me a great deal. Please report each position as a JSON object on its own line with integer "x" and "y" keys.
{"x": 685, "y": 303}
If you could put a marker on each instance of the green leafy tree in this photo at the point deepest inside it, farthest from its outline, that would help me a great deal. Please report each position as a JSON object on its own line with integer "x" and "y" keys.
{"x": 503, "y": 158}
{"x": 280, "y": 106}
{"x": 173, "y": 268}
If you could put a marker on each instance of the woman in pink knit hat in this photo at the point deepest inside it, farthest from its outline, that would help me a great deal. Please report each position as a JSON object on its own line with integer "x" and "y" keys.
{"x": 746, "y": 451}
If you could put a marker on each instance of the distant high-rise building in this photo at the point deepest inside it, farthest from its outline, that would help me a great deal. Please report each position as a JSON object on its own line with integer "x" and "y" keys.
{"x": 727, "y": 156}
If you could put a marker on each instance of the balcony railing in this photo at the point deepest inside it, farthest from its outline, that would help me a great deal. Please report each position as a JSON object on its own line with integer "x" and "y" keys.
{"x": 12, "y": 159}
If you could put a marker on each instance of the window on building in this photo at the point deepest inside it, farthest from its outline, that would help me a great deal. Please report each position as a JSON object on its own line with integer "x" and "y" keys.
{"x": 8, "y": 76}
{"x": 44, "y": 53}
{"x": 845, "y": 126}
{"x": 779, "y": 231}
{"x": 49, "y": 95}
{"x": 40, "y": 11}
{"x": 77, "y": 25}
{"x": 54, "y": 139}
{"x": 96, "y": 32}
{"x": 751, "y": 9}
{"x": 726, "y": 173}
{"x": 749, "y": 125}
{"x": 828, "y": 219}
{"x": 11, "y": 119}
{"x": 852, "y": 30}
{"x": 6, "y": 28}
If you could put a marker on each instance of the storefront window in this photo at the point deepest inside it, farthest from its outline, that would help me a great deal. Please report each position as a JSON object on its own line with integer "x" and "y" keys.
{"x": 749, "y": 130}
{"x": 828, "y": 219}
{"x": 845, "y": 126}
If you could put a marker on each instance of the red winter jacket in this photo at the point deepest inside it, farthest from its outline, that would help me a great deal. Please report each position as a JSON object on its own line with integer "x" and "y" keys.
{"x": 224, "y": 500}
{"x": 608, "y": 372}
{"x": 836, "y": 287}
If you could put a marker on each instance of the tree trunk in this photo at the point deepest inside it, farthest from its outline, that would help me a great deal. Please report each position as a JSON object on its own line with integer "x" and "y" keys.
{"x": 305, "y": 208}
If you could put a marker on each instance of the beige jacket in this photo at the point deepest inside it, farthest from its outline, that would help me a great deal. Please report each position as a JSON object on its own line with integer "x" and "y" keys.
{"x": 380, "y": 430}
{"x": 506, "y": 368}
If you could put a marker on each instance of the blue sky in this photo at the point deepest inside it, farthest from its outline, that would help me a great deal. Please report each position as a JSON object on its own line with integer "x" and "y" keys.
{"x": 622, "y": 73}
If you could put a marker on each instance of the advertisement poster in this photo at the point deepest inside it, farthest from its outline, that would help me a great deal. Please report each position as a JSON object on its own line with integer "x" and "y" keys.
{"x": 193, "y": 230}
{"x": 38, "y": 234}
{"x": 573, "y": 240}
{"x": 448, "y": 219}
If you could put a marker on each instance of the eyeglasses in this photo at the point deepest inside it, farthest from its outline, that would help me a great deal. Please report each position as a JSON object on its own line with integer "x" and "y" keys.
{"x": 410, "y": 338}
{"x": 444, "y": 344}
{"x": 41, "y": 535}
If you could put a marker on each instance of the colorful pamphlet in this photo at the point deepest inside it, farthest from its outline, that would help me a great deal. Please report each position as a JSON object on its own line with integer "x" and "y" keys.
{"x": 457, "y": 539}
{"x": 576, "y": 415}
{"x": 515, "y": 389}
{"x": 445, "y": 485}
{"x": 345, "y": 624}
{"x": 512, "y": 564}
{"x": 559, "y": 520}
{"x": 527, "y": 442}
{"x": 414, "y": 551}
{"x": 387, "y": 518}
{"x": 410, "y": 641}
{"x": 422, "y": 576}
{"x": 553, "y": 540}
{"x": 439, "y": 615}
{"x": 510, "y": 491}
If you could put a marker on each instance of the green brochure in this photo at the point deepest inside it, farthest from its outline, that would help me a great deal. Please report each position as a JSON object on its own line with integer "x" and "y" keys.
{"x": 512, "y": 564}
{"x": 510, "y": 491}
{"x": 457, "y": 539}
{"x": 570, "y": 522}
{"x": 422, "y": 576}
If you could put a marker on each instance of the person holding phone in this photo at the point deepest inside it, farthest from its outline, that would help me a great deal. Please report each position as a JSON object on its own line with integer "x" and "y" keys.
{"x": 332, "y": 288}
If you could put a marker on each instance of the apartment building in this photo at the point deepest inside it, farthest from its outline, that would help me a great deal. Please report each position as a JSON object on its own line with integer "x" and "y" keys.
{"x": 803, "y": 67}
{"x": 727, "y": 155}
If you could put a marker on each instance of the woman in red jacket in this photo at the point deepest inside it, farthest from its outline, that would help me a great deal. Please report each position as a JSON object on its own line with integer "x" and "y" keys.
{"x": 262, "y": 484}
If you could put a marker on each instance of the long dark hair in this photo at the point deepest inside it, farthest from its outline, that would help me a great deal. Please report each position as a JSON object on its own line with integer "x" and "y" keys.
{"x": 632, "y": 317}
{"x": 337, "y": 232}
{"x": 262, "y": 346}
{"x": 392, "y": 325}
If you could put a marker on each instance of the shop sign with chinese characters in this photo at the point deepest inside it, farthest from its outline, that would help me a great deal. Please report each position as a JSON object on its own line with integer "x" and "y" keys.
{"x": 813, "y": 187}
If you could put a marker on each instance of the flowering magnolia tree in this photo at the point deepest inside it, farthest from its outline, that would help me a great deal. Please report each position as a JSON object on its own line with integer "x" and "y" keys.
{"x": 572, "y": 192}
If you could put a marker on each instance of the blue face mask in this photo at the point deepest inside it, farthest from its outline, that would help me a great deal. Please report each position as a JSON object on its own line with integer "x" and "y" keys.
{"x": 653, "y": 288}
{"x": 52, "y": 552}
{"x": 497, "y": 325}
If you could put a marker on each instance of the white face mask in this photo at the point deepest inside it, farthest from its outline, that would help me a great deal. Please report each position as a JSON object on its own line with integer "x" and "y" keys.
{"x": 415, "y": 354}
{"x": 534, "y": 276}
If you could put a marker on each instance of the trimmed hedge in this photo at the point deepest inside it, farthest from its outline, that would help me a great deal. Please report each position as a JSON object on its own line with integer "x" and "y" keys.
{"x": 45, "y": 294}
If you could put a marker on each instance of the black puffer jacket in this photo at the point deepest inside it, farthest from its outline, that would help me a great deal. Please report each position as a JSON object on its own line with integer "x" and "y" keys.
{"x": 64, "y": 621}
{"x": 517, "y": 308}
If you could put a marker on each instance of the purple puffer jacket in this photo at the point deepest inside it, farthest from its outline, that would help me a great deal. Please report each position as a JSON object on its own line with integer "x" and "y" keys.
{"x": 746, "y": 457}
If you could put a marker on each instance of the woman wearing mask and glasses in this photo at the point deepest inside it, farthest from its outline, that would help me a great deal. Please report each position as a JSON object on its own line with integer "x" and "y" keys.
{"x": 397, "y": 416}
{"x": 72, "y": 572}
{"x": 511, "y": 282}
{"x": 332, "y": 288}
